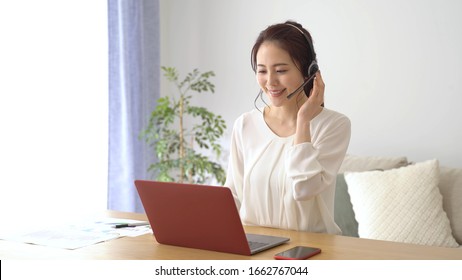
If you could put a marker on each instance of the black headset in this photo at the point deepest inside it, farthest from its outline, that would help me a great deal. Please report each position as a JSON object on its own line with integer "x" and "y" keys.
{"x": 312, "y": 69}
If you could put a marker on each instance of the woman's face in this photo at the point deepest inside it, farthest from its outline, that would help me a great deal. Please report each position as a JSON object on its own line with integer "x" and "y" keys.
{"x": 277, "y": 74}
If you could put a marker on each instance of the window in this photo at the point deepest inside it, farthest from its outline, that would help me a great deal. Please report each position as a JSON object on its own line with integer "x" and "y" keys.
{"x": 53, "y": 107}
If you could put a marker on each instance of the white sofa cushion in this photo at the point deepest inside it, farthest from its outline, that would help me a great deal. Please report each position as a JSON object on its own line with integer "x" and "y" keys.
{"x": 354, "y": 163}
{"x": 403, "y": 205}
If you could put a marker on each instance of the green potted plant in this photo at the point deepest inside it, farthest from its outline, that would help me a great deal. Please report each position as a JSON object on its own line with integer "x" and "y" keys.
{"x": 183, "y": 135}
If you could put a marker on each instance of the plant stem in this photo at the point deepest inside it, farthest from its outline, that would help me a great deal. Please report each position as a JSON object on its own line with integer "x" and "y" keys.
{"x": 190, "y": 175}
{"x": 181, "y": 151}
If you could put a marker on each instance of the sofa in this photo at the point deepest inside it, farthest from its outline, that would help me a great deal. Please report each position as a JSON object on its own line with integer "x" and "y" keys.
{"x": 390, "y": 198}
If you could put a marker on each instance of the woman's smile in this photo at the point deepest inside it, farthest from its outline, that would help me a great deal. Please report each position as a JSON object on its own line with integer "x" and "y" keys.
{"x": 276, "y": 92}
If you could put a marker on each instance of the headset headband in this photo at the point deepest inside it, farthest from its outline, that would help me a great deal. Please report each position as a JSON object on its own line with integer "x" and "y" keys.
{"x": 310, "y": 44}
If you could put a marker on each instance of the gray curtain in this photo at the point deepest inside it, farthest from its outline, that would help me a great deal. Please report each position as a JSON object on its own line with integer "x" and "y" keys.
{"x": 134, "y": 75}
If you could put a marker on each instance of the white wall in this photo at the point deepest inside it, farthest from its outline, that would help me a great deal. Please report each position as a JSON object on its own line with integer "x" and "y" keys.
{"x": 53, "y": 108}
{"x": 394, "y": 67}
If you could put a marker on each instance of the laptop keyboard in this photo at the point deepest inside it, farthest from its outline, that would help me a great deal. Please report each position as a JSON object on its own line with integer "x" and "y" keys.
{"x": 255, "y": 245}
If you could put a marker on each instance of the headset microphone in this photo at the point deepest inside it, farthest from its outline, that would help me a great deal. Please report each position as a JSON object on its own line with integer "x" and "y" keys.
{"x": 301, "y": 87}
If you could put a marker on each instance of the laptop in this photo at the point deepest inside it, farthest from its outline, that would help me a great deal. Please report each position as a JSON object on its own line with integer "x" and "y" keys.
{"x": 198, "y": 216}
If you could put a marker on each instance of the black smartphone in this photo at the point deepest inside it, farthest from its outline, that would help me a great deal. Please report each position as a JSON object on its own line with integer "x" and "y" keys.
{"x": 297, "y": 253}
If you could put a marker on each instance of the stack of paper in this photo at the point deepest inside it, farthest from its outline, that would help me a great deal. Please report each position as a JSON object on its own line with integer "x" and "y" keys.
{"x": 81, "y": 234}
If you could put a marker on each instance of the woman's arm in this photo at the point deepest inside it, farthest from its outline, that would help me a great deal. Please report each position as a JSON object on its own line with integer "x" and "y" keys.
{"x": 235, "y": 172}
{"x": 313, "y": 166}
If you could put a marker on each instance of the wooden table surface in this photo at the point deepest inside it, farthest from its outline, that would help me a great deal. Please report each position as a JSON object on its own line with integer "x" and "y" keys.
{"x": 145, "y": 247}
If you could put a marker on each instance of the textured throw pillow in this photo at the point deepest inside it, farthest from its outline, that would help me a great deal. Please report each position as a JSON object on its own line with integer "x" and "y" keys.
{"x": 343, "y": 210}
{"x": 402, "y": 205}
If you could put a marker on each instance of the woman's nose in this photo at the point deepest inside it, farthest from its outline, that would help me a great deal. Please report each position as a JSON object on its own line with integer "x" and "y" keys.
{"x": 272, "y": 79}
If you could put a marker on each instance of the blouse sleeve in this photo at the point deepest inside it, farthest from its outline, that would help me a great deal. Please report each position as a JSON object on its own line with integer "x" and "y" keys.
{"x": 313, "y": 166}
{"x": 235, "y": 172}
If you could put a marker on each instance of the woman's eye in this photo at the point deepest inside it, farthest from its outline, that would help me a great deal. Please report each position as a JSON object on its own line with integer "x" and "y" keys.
{"x": 261, "y": 71}
{"x": 281, "y": 71}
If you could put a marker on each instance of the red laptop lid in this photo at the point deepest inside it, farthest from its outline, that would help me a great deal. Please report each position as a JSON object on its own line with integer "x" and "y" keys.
{"x": 195, "y": 216}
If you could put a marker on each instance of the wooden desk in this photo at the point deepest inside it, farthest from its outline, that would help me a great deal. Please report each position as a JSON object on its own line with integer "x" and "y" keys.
{"x": 145, "y": 247}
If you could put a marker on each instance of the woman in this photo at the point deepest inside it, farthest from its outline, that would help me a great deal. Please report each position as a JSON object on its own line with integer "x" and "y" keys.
{"x": 284, "y": 157}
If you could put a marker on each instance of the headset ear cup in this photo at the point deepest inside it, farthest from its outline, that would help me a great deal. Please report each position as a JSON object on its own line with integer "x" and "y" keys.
{"x": 313, "y": 68}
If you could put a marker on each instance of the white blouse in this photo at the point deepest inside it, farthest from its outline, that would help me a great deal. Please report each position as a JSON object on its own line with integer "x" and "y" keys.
{"x": 278, "y": 184}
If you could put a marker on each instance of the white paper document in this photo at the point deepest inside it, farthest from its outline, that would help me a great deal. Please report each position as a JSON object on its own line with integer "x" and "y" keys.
{"x": 80, "y": 234}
